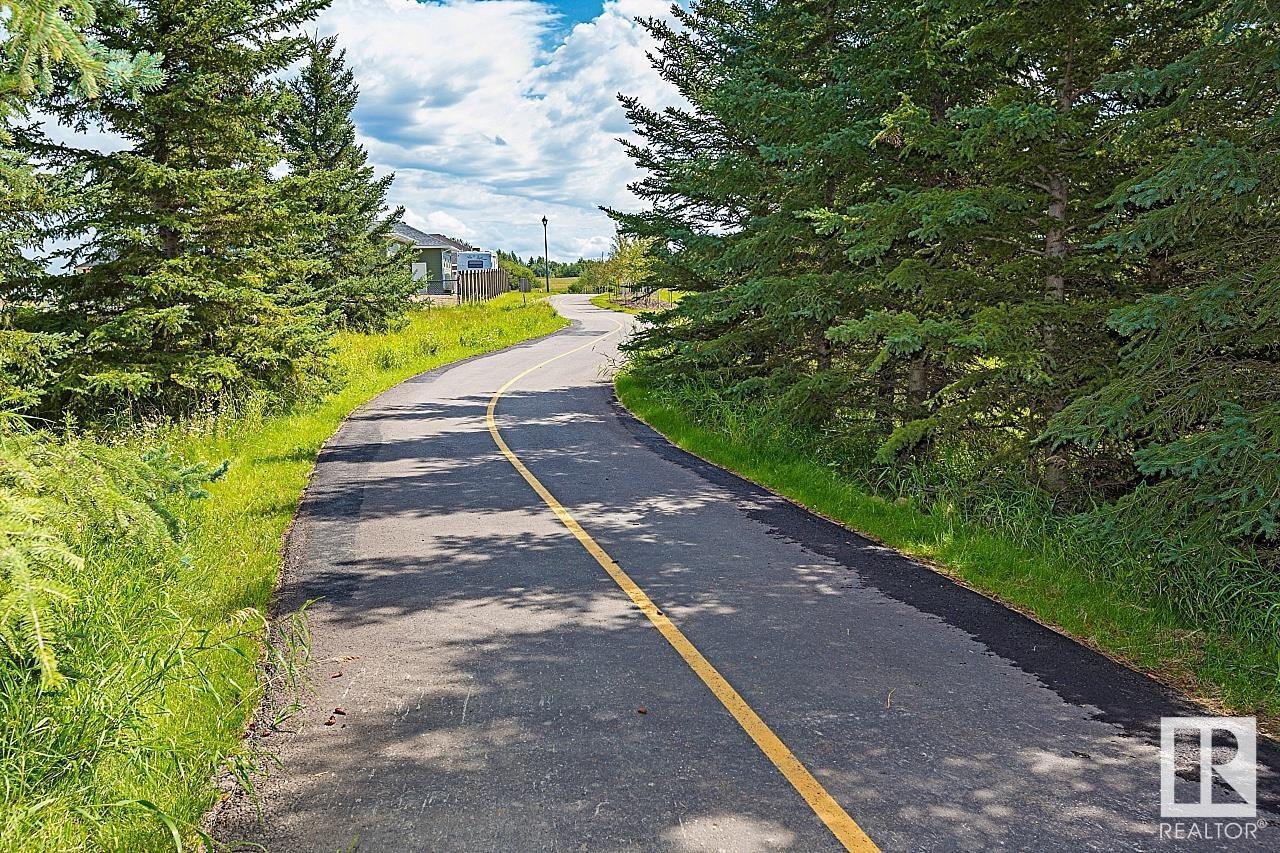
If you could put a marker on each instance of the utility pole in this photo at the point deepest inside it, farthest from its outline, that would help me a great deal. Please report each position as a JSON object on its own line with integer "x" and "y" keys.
{"x": 546, "y": 255}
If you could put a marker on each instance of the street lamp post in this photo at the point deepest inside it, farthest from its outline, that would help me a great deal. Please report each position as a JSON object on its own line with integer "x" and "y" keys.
{"x": 546, "y": 256}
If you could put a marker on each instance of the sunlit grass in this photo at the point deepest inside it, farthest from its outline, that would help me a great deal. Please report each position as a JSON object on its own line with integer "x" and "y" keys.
{"x": 559, "y": 284}
{"x": 1032, "y": 573}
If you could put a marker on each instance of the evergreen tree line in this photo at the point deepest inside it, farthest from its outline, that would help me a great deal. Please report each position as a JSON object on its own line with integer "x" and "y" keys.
{"x": 991, "y": 249}
{"x": 214, "y": 253}
{"x": 559, "y": 269}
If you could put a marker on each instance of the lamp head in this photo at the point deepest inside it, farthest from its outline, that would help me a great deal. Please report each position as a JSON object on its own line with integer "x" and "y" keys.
{"x": 544, "y": 222}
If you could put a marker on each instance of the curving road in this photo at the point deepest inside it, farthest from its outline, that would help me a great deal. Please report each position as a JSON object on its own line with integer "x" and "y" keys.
{"x": 504, "y": 692}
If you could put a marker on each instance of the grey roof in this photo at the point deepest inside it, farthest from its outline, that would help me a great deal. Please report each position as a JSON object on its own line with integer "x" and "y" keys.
{"x": 457, "y": 244}
{"x": 423, "y": 240}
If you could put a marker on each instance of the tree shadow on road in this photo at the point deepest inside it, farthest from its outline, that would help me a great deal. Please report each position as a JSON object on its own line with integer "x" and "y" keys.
{"x": 501, "y": 693}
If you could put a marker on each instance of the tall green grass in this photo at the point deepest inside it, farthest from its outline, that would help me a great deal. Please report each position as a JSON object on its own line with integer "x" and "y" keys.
{"x": 159, "y": 638}
{"x": 1007, "y": 542}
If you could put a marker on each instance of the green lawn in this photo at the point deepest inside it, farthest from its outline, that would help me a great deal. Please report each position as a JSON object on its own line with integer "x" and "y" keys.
{"x": 164, "y": 654}
{"x": 1234, "y": 673}
{"x": 559, "y": 284}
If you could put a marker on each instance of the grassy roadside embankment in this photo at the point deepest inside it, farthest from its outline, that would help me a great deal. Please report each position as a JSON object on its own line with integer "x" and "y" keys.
{"x": 606, "y": 301}
{"x": 159, "y": 647}
{"x": 603, "y": 300}
{"x": 1036, "y": 573}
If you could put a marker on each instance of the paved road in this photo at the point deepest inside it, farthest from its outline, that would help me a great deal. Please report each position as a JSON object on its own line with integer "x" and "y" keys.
{"x": 502, "y": 693}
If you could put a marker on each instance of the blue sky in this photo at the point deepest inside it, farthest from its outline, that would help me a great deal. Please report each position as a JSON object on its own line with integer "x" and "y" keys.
{"x": 494, "y": 113}
{"x": 578, "y": 10}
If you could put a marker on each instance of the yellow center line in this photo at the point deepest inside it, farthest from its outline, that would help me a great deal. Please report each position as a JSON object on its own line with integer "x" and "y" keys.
{"x": 843, "y": 827}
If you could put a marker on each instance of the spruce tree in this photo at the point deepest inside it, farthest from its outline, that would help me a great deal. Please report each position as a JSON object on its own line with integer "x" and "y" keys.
{"x": 1193, "y": 403}
{"x": 787, "y": 105}
{"x": 42, "y": 39}
{"x": 989, "y": 225}
{"x": 727, "y": 181}
{"x": 1014, "y": 245}
{"x": 893, "y": 334}
{"x": 364, "y": 285}
{"x": 190, "y": 248}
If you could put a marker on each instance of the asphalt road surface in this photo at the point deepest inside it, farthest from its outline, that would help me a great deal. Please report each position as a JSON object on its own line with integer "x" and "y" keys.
{"x": 503, "y": 691}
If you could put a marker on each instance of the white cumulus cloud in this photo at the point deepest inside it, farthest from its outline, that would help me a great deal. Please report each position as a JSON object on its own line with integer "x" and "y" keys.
{"x": 491, "y": 117}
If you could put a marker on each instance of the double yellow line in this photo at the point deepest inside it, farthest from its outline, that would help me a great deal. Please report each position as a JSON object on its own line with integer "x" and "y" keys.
{"x": 843, "y": 827}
